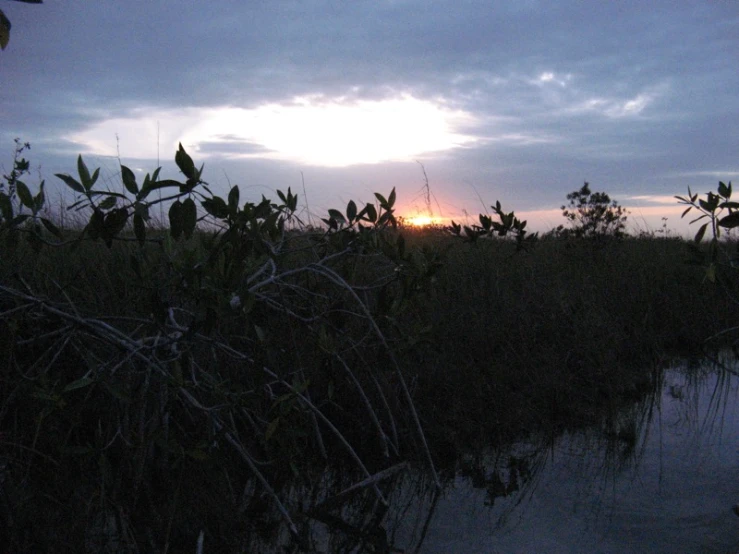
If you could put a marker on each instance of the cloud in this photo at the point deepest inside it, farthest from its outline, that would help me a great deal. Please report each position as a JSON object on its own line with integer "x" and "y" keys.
{"x": 524, "y": 99}
{"x": 316, "y": 130}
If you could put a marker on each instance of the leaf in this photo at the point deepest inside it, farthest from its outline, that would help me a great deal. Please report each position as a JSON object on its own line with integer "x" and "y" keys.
{"x": 95, "y": 226}
{"x": 351, "y": 211}
{"x": 39, "y": 199}
{"x": 337, "y": 216}
{"x": 216, "y": 207}
{"x": 724, "y": 190}
{"x": 701, "y": 232}
{"x": 71, "y": 182}
{"x": 189, "y": 217}
{"x": 139, "y": 228}
{"x": 108, "y": 203}
{"x": 85, "y": 178}
{"x": 707, "y": 205}
{"x": 233, "y": 200}
{"x": 381, "y": 199}
{"x": 175, "y": 219}
{"x": 53, "y": 229}
{"x": 113, "y": 224}
{"x": 185, "y": 163}
{"x": 94, "y": 178}
{"x": 730, "y": 221}
{"x": 129, "y": 180}
{"x": 4, "y": 30}
{"x": 371, "y": 213}
{"x": 391, "y": 199}
{"x": 24, "y": 194}
{"x": 78, "y": 384}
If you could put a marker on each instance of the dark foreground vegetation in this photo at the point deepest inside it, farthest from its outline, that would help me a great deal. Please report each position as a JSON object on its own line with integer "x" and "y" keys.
{"x": 171, "y": 389}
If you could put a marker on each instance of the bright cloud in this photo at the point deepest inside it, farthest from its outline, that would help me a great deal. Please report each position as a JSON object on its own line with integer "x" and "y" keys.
{"x": 312, "y": 130}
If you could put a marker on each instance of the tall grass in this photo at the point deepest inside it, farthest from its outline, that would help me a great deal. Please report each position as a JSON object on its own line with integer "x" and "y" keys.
{"x": 119, "y": 434}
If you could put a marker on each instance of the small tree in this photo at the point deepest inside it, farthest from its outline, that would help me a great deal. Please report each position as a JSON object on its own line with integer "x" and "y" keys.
{"x": 20, "y": 167}
{"x": 594, "y": 215}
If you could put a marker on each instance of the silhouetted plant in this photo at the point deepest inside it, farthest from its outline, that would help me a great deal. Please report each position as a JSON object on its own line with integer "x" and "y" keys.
{"x": 507, "y": 224}
{"x": 221, "y": 355}
{"x": 592, "y": 215}
{"x": 722, "y": 213}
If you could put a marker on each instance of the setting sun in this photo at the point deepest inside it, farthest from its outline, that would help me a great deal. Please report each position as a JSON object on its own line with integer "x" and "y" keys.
{"x": 422, "y": 221}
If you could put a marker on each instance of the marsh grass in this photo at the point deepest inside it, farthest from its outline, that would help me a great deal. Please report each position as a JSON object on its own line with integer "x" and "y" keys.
{"x": 525, "y": 340}
{"x": 496, "y": 343}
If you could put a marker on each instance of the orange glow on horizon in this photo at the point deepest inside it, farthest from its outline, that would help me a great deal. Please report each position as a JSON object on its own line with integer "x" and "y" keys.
{"x": 424, "y": 221}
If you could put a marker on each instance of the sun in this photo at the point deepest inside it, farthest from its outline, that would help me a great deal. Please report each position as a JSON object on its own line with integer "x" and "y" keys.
{"x": 422, "y": 221}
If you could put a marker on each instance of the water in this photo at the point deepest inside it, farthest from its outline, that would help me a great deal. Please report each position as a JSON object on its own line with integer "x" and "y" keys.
{"x": 661, "y": 476}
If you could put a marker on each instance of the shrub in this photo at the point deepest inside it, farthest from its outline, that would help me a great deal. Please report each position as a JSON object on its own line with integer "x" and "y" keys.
{"x": 592, "y": 215}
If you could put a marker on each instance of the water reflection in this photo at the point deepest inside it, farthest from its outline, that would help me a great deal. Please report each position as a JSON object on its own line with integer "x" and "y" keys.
{"x": 660, "y": 476}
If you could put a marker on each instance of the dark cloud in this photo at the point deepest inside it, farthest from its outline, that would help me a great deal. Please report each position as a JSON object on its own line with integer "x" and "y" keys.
{"x": 631, "y": 94}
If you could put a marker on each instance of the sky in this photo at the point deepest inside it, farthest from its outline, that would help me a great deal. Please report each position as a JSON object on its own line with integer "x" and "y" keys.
{"x": 518, "y": 101}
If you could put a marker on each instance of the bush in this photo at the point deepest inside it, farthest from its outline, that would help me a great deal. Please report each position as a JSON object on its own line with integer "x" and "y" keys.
{"x": 592, "y": 215}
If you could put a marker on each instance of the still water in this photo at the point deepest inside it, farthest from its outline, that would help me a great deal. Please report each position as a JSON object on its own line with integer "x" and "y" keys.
{"x": 660, "y": 476}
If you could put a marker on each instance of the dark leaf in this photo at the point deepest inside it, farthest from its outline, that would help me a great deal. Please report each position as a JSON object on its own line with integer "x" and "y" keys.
{"x": 216, "y": 207}
{"x": 233, "y": 200}
{"x": 150, "y": 185}
{"x": 114, "y": 223}
{"x": 730, "y": 221}
{"x": 24, "y": 194}
{"x": 19, "y": 219}
{"x": 185, "y": 163}
{"x": 391, "y": 198}
{"x": 142, "y": 210}
{"x": 4, "y": 30}
{"x": 39, "y": 199}
{"x": 701, "y": 232}
{"x": 351, "y": 211}
{"x": 175, "y": 219}
{"x": 189, "y": 217}
{"x": 95, "y": 226}
{"x": 84, "y": 173}
{"x": 71, "y": 182}
{"x": 337, "y": 216}
{"x": 129, "y": 180}
{"x": 53, "y": 229}
{"x": 108, "y": 203}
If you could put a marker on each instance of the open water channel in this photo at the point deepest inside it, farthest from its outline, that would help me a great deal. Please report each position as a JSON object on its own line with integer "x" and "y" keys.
{"x": 660, "y": 476}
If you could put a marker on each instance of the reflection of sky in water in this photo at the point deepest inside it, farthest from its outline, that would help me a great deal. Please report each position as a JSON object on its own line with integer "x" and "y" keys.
{"x": 670, "y": 491}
